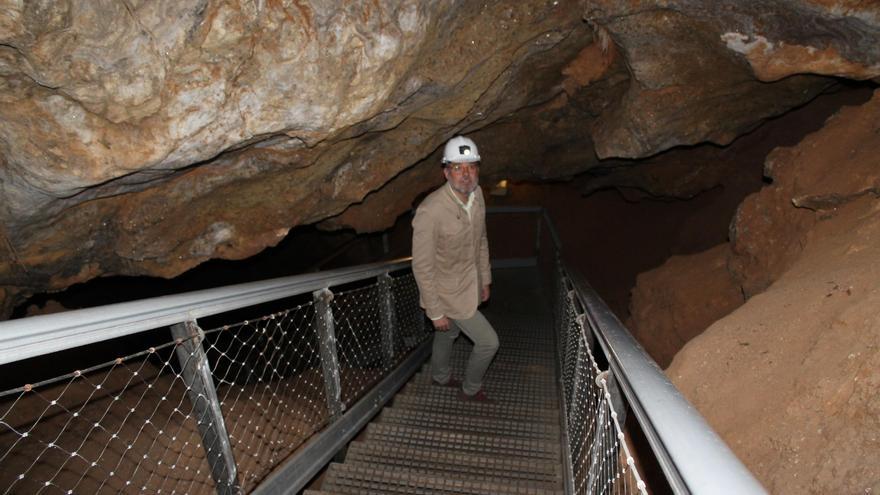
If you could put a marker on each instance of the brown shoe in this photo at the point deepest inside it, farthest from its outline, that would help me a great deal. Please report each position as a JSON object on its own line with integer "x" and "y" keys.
{"x": 480, "y": 396}
{"x": 452, "y": 382}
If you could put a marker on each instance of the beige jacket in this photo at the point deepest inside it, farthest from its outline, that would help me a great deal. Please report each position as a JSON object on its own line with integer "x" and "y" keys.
{"x": 450, "y": 254}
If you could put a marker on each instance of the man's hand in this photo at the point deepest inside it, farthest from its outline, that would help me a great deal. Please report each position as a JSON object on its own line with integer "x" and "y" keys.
{"x": 442, "y": 324}
{"x": 484, "y": 294}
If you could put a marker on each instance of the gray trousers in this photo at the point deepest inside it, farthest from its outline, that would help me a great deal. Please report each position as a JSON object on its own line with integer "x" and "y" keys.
{"x": 485, "y": 340}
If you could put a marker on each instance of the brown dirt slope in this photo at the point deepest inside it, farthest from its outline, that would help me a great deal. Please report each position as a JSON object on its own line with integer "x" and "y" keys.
{"x": 674, "y": 303}
{"x": 790, "y": 379}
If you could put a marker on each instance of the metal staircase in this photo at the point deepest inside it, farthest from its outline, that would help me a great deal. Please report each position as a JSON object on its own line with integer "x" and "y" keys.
{"x": 428, "y": 441}
{"x": 262, "y": 405}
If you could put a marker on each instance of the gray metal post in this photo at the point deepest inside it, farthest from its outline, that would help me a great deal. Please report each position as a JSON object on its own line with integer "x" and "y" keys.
{"x": 196, "y": 373}
{"x": 572, "y": 342}
{"x": 562, "y": 301}
{"x": 617, "y": 401}
{"x": 571, "y": 405}
{"x": 388, "y": 319}
{"x": 327, "y": 344}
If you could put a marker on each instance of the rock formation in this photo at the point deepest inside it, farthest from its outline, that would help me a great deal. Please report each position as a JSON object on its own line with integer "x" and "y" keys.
{"x": 675, "y": 304}
{"x": 789, "y": 378}
{"x": 677, "y": 300}
{"x": 148, "y": 137}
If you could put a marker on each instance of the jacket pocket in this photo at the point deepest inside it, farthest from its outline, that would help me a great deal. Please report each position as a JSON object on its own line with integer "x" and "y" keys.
{"x": 451, "y": 239}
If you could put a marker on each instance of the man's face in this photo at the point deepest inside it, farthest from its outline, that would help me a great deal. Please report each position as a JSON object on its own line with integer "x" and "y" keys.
{"x": 463, "y": 177}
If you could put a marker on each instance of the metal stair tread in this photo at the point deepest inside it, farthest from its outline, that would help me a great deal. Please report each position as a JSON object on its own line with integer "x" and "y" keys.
{"x": 352, "y": 478}
{"x": 465, "y": 423}
{"x": 510, "y": 346}
{"x": 499, "y": 396}
{"x": 452, "y": 405}
{"x": 464, "y": 442}
{"x": 428, "y": 441}
{"x": 504, "y": 381}
{"x": 537, "y": 368}
{"x": 527, "y": 373}
{"x": 510, "y": 362}
{"x": 452, "y": 460}
{"x": 531, "y": 353}
{"x": 519, "y": 377}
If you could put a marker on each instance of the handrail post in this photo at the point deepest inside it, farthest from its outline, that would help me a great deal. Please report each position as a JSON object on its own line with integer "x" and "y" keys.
{"x": 388, "y": 319}
{"x": 196, "y": 374}
{"x": 616, "y": 395}
{"x": 579, "y": 358}
{"x": 326, "y": 328}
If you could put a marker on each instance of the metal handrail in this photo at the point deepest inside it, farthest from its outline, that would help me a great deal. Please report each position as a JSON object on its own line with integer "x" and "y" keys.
{"x": 692, "y": 455}
{"x": 43, "y": 334}
{"x": 38, "y": 335}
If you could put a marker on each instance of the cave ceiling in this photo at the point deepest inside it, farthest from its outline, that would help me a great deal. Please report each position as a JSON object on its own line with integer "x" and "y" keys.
{"x": 146, "y": 137}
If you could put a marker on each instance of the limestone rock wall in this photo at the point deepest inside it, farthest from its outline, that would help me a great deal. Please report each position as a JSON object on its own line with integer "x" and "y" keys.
{"x": 147, "y": 137}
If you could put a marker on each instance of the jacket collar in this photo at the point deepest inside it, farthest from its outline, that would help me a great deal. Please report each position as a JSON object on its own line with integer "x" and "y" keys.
{"x": 468, "y": 207}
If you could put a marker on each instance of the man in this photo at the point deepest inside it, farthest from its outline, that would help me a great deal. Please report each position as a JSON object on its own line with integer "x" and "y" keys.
{"x": 451, "y": 267}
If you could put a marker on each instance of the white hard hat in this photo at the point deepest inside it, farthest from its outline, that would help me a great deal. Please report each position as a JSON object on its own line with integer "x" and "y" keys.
{"x": 460, "y": 150}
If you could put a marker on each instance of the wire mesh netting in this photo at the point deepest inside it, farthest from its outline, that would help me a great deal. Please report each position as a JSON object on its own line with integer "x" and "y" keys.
{"x": 408, "y": 315}
{"x": 230, "y": 403}
{"x": 600, "y": 458}
{"x": 270, "y": 385}
{"x": 126, "y": 425}
{"x": 356, "y": 316}
{"x": 362, "y": 318}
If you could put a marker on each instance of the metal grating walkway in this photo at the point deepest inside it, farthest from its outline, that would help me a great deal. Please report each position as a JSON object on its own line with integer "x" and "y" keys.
{"x": 430, "y": 442}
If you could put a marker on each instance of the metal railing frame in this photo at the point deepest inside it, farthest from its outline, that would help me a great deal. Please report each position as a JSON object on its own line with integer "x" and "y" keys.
{"x": 44, "y": 334}
{"x": 693, "y": 457}
{"x": 38, "y": 335}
